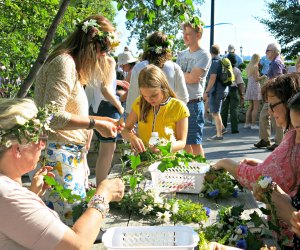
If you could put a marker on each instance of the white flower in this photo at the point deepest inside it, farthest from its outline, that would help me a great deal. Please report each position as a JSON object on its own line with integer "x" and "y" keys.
{"x": 158, "y": 50}
{"x": 167, "y": 206}
{"x": 89, "y": 23}
{"x": 140, "y": 204}
{"x": 8, "y": 143}
{"x": 231, "y": 220}
{"x": 169, "y": 131}
{"x": 238, "y": 231}
{"x": 158, "y": 200}
{"x": 146, "y": 209}
{"x": 220, "y": 226}
{"x": 175, "y": 208}
{"x": 144, "y": 197}
{"x": 264, "y": 182}
{"x": 36, "y": 121}
{"x": 250, "y": 224}
{"x": 20, "y": 120}
{"x": 163, "y": 217}
{"x": 255, "y": 230}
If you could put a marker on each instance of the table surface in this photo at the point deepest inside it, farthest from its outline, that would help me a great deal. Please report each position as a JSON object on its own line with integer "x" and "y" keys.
{"x": 119, "y": 219}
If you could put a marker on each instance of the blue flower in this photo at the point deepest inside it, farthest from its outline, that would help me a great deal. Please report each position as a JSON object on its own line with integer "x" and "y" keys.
{"x": 214, "y": 193}
{"x": 241, "y": 243}
{"x": 235, "y": 193}
{"x": 207, "y": 210}
{"x": 244, "y": 229}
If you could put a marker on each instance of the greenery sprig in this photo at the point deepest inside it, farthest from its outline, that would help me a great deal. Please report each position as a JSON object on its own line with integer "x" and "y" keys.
{"x": 220, "y": 184}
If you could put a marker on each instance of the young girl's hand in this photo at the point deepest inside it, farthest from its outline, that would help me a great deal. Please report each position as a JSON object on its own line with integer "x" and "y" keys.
{"x": 137, "y": 145}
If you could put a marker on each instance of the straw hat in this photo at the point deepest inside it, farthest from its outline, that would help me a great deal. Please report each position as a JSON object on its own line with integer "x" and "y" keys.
{"x": 125, "y": 58}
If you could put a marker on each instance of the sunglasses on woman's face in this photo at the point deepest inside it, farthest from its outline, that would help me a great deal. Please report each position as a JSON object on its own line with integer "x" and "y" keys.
{"x": 272, "y": 106}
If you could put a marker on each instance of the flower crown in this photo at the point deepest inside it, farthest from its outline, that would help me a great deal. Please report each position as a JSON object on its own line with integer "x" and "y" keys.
{"x": 92, "y": 28}
{"x": 167, "y": 47}
{"x": 30, "y": 130}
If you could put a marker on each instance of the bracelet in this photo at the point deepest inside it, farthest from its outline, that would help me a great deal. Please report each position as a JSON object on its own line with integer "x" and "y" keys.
{"x": 92, "y": 123}
{"x": 98, "y": 202}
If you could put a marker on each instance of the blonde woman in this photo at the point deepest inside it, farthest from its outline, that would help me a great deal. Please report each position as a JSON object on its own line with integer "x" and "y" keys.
{"x": 62, "y": 78}
{"x": 253, "y": 94}
{"x": 156, "y": 110}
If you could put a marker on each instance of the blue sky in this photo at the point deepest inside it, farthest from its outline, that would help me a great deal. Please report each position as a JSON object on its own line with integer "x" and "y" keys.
{"x": 243, "y": 31}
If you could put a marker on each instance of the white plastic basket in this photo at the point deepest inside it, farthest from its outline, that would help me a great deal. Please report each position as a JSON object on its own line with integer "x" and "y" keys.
{"x": 181, "y": 179}
{"x": 151, "y": 237}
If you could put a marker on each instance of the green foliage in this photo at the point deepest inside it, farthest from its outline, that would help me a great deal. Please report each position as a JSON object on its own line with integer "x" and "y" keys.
{"x": 24, "y": 25}
{"x": 145, "y": 17}
{"x": 283, "y": 23}
{"x": 140, "y": 163}
{"x": 220, "y": 184}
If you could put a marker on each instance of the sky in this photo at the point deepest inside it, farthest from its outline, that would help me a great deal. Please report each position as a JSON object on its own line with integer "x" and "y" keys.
{"x": 243, "y": 29}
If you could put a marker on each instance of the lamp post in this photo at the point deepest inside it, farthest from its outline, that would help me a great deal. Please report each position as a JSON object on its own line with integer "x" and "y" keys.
{"x": 241, "y": 51}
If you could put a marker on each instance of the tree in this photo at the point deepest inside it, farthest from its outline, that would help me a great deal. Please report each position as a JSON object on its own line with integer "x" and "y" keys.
{"x": 283, "y": 24}
{"x": 28, "y": 29}
{"x": 152, "y": 15}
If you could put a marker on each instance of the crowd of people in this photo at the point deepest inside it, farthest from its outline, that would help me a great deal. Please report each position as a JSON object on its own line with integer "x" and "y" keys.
{"x": 154, "y": 95}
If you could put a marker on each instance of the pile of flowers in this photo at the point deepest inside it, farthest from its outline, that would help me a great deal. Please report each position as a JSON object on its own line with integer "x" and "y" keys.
{"x": 160, "y": 209}
{"x": 220, "y": 184}
{"x": 230, "y": 229}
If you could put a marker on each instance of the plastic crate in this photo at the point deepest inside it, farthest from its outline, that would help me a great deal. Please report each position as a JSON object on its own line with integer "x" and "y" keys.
{"x": 151, "y": 237}
{"x": 181, "y": 179}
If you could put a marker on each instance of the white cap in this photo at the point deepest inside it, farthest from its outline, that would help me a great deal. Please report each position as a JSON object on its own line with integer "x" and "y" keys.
{"x": 125, "y": 58}
{"x": 231, "y": 48}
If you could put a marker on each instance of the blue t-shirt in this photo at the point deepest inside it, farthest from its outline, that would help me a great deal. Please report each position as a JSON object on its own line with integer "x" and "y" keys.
{"x": 216, "y": 68}
{"x": 264, "y": 62}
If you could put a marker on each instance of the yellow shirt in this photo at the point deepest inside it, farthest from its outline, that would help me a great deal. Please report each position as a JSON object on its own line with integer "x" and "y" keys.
{"x": 168, "y": 114}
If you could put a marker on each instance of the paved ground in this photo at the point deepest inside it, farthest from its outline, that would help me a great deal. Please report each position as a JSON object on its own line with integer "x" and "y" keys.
{"x": 234, "y": 146}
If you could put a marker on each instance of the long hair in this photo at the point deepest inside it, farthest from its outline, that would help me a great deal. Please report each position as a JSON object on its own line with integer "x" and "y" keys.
{"x": 152, "y": 77}
{"x": 157, "y": 39}
{"x": 83, "y": 48}
{"x": 253, "y": 64}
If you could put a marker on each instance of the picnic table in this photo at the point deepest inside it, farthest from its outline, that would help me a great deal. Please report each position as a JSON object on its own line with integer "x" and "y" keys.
{"x": 116, "y": 218}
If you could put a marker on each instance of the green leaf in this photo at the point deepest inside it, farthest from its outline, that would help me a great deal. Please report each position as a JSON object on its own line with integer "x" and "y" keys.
{"x": 133, "y": 182}
{"x": 119, "y": 6}
{"x": 50, "y": 181}
{"x": 130, "y": 14}
{"x": 158, "y": 2}
{"x": 135, "y": 161}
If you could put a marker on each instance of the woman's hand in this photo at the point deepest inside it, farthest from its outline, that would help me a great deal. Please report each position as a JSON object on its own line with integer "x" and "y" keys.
{"x": 259, "y": 193}
{"x": 137, "y": 145}
{"x": 106, "y": 128}
{"x": 295, "y": 221}
{"x": 251, "y": 161}
{"x": 229, "y": 165}
{"x": 38, "y": 185}
{"x": 111, "y": 189}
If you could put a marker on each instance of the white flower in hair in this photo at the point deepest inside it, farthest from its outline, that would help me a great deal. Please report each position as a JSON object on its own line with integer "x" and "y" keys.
{"x": 20, "y": 120}
{"x": 158, "y": 50}
{"x": 8, "y": 143}
{"x": 89, "y": 23}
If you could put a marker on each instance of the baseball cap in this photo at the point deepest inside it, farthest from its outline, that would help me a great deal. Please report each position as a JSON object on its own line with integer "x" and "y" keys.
{"x": 231, "y": 48}
{"x": 125, "y": 58}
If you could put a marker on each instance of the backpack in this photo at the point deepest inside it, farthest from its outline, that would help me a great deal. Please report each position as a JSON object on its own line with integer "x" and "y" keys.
{"x": 227, "y": 76}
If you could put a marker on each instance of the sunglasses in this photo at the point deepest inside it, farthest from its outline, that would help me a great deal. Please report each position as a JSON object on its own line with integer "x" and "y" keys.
{"x": 272, "y": 106}
{"x": 268, "y": 50}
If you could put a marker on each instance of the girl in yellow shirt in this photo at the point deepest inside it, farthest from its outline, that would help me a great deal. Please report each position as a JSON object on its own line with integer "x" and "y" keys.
{"x": 156, "y": 110}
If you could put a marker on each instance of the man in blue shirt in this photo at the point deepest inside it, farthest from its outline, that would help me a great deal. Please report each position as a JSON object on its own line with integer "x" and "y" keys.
{"x": 264, "y": 63}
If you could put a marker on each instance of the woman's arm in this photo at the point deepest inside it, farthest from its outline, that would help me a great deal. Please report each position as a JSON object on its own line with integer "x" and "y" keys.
{"x": 106, "y": 89}
{"x": 128, "y": 134}
{"x": 181, "y": 134}
{"x": 85, "y": 230}
{"x": 256, "y": 75}
{"x": 227, "y": 164}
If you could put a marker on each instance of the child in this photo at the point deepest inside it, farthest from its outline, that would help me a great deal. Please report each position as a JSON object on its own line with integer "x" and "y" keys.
{"x": 156, "y": 110}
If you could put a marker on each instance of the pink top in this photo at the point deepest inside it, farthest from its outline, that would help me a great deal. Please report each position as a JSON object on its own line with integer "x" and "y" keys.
{"x": 283, "y": 165}
{"x": 25, "y": 221}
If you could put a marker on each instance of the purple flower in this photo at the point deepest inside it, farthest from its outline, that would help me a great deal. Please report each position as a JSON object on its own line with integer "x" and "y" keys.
{"x": 235, "y": 193}
{"x": 207, "y": 210}
{"x": 214, "y": 193}
{"x": 241, "y": 243}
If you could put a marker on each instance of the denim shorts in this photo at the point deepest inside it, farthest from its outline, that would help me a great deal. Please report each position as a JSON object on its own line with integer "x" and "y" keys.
{"x": 108, "y": 110}
{"x": 215, "y": 101}
{"x": 196, "y": 123}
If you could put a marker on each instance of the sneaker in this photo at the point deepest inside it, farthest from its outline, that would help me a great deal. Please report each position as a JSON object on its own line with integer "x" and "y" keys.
{"x": 255, "y": 127}
{"x": 247, "y": 125}
{"x": 272, "y": 147}
{"x": 262, "y": 144}
{"x": 215, "y": 138}
{"x": 224, "y": 131}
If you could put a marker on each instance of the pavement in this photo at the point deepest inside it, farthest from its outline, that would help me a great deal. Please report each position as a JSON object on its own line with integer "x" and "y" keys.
{"x": 234, "y": 146}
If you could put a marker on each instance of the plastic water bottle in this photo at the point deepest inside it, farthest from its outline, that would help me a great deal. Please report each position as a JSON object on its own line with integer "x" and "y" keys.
{"x": 154, "y": 139}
